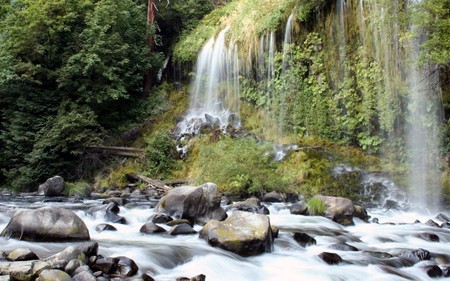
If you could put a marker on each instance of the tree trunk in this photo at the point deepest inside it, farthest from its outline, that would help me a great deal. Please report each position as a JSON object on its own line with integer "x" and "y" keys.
{"x": 150, "y": 42}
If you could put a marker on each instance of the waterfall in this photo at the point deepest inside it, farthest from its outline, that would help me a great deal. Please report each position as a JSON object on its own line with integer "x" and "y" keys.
{"x": 423, "y": 128}
{"x": 214, "y": 88}
{"x": 284, "y": 65}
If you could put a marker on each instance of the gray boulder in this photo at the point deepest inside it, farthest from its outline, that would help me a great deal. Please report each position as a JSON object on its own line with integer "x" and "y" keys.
{"x": 273, "y": 197}
{"x": 52, "y": 187}
{"x": 47, "y": 224}
{"x": 339, "y": 209}
{"x": 244, "y": 233}
{"x": 54, "y": 275}
{"x": 22, "y": 254}
{"x": 198, "y": 204}
{"x": 252, "y": 205}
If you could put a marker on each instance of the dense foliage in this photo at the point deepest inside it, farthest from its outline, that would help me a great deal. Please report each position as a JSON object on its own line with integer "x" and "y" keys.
{"x": 68, "y": 71}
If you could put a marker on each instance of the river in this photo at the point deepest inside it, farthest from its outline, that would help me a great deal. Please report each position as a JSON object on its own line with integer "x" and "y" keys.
{"x": 167, "y": 257}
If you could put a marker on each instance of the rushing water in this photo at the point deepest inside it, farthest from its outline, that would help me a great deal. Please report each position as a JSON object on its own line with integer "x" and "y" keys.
{"x": 215, "y": 87}
{"x": 165, "y": 257}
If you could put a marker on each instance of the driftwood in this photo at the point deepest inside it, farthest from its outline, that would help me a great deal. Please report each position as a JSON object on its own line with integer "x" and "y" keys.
{"x": 151, "y": 183}
{"x": 119, "y": 151}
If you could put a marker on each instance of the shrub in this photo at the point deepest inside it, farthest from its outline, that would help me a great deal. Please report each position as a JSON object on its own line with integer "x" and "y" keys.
{"x": 161, "y": 155}
{"x": 239, "y": 166}
{"x": 316, "y": 206}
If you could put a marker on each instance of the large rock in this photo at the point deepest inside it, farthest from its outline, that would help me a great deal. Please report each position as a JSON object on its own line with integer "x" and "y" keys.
{"x": 52, "y": 187}
{"x": 339, "y": 209}
{"x": 198, "y": 204}
{"x": 47, "y": 224}
{"x": 244, "y": 233}
{"x": 252, "y": 205}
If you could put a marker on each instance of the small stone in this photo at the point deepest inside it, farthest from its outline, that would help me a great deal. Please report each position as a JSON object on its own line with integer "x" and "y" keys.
{"x": 304, "y": 239}
{"x": 330, "y": 258}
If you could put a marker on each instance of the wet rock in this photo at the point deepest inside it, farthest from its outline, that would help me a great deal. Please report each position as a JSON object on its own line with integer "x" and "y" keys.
{"x": 54, "y": 275}
{"x": 272, "y": 197}
{"x": 177, "y": 222}
{"x": 244, "y": 233}
{"x": 379, "y": 255}
{"x": 445, "y": 225}
{"x": 89, "y": 249}
{"x": 182, "y": 229}
{"x": 361, "y": 213}
{"x": 442, "y": 217}
{"x": 339, "y": 209}
{"x": 72, "y": 266}
{"x": 432, "y": 223}
{"x": 304, "y": 239}
{"x": 22, "y": 271}
{"x": 330, "y": 258}
{"x": 416, "y": 255}
{"x": 428, "y": 237}
{"x": 198, "y": 204}
{"x": 106, "y": 265}
{"x": 343, "y": 247}
{"x": 375, "y": 220}
{"x": 160, "y": 218}
{"x": 275, "y": 231}
{"x": 150, "y": 228}
{"x": 433, "y": 271}
{"x": 252, "y": 205}
{"x": 200, "y": 277}
{"x": 47, "y": 224}
{"x": 125, "y": 267}
{"x": 147, "y": 277}
{"x": 22, "y": 254}
{"x": 105, "y": 227}
{"x": 83, "y": 268}
{"x": 446, "y": 272}
{"x": 68, "y": 254}
{"x": 84, "y": 276}
{"x": 52, "y": 187}
{"x": 300, "y": 208}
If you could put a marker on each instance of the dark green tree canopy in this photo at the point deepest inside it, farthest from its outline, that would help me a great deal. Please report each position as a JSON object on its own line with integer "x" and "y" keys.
{"x": 63, "y": 65}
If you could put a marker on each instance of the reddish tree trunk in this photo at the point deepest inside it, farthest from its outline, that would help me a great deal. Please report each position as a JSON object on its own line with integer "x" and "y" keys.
{"x": 150, "y": 42}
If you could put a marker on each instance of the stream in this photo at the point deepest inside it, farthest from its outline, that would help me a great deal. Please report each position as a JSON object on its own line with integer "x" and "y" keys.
{"x": 167, "y": 257}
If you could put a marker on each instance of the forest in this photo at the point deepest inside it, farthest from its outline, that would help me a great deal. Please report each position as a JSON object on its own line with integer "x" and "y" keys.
{"x": 78, "y": 74}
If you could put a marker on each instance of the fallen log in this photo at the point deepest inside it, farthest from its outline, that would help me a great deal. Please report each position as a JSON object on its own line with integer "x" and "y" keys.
{"x": 150, "y": 182}
{"x": 177, "y": 182}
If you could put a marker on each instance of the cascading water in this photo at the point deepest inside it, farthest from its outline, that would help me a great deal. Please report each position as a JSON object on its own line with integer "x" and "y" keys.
{"x": 423, "y": 131}
{"x": 214, "y": 89}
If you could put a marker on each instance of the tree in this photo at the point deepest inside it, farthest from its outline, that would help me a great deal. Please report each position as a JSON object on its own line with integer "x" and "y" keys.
{"x": 64, "y": 66}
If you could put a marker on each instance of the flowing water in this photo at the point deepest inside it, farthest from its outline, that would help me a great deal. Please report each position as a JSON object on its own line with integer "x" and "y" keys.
{"x": 165, "y": 257}
{"x": 215, "y": 88}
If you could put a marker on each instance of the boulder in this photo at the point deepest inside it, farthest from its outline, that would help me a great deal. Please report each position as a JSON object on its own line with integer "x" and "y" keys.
{"x": 433, "y": 271}
{"x": 361, "y": 213}
{"x": 105, "y": 227}
{"x": 244, "y": 233}
{"x": 304, "y": 239}
{"x": 431, "y": 237}
{"x": 330, "y": 258}
{"x": 160, "y": 218}
{"x": 54, "y": 275}
{"x": 182, "y": 229}
{"x": 252, "y": 205}
{"x": 52, "y": 187}
{"x": 84, "y": 276}
{"x": 150, "y": 228}
{"x": 125, "y": 267}
{"x": 22, "y": 254}
{"x": 339, "y": 209}
{"x": 299, "y": 208}
{"x": 47, "y": 224}
{"x": 273, "y": 197}
{"x": 415, "y": 255}
{"x": 343, "y": 247}
{"x": 198, "y": 204}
